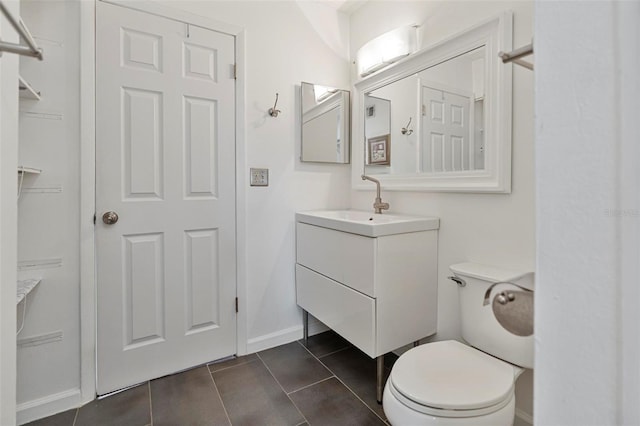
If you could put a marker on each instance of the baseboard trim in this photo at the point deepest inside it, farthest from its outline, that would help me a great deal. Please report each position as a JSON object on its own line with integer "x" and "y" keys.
{"x": 524, "y": 417}
{"x": 285, "y": 336}
{"x": 48, "y": 406}
{"x": 274, "y": 339}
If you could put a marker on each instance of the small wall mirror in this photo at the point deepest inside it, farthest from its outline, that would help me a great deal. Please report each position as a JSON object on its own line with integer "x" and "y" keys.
{"x": 440, "y": 120}
{"x": 325, "y": 124}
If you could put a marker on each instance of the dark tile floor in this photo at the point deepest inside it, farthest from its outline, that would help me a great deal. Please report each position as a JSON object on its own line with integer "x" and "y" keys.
{"x": 329, "y": 382}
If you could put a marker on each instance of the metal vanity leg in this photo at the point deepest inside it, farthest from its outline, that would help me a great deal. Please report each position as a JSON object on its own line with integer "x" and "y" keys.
{"x": 305, "y": 326}
{"x": 379, "y": 378}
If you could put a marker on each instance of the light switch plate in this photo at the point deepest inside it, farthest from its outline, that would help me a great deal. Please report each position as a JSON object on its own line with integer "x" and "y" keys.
{"x": 259, "y": 177}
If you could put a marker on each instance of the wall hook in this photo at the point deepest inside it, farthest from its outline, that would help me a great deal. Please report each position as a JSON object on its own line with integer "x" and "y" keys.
{"x": 406, "y": 130}
{"x": 273, "y": 111}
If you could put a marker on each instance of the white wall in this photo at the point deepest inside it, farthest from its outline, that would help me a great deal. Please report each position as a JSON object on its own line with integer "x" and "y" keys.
{"x": 496, "y": 229}
{"x": 288, "y": 42}
{"x": 587, "y": 132}
{"x": 282, "y": 49}
{"x": 48, "y": 222}
{"x": 403, "y": 103}
{"x": 8, "y": 217}
{"x": 587, "y": 101}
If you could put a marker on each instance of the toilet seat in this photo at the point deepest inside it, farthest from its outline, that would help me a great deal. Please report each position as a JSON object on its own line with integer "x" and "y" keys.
{"x": 450, "y": 379}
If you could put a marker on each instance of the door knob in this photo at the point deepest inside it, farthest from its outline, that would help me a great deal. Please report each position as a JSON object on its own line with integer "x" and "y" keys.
{"x": 110, "y": 218}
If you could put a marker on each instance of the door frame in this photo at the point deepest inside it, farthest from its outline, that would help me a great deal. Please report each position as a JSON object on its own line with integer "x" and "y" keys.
{"x": 88, "y": 281}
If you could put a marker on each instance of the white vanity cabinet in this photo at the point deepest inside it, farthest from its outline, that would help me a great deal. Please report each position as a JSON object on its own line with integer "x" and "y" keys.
{"x": 378, "y": 292}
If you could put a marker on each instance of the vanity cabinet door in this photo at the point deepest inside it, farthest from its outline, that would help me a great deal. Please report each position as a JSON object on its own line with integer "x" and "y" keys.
{"x": 347, "y": 258}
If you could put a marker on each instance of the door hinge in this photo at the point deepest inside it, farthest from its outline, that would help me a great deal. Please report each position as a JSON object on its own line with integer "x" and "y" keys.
{"x": 94, "y": 218}
{"x": 235, "y": 71}
{"x": 236, "y": 305}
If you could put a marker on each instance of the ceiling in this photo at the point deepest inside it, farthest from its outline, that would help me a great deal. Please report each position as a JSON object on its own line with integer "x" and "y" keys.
{"x": 346, "y": 6}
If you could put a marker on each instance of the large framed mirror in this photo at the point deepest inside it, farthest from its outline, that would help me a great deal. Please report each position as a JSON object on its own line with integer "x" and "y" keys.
{"x": 325, "y": 124}
{"x": 440, "y": 119}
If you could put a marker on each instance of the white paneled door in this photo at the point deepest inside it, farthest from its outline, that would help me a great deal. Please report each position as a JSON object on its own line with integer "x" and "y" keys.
{"x": 446, "y": 141}
{"x": 165, "y": 164}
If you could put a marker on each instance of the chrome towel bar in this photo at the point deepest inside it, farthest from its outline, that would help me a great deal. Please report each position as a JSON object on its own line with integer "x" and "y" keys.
{"x": 515, "y": 55}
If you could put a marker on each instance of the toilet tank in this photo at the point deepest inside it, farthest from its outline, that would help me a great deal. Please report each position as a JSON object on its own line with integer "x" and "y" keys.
{"x": 480, "y": 328}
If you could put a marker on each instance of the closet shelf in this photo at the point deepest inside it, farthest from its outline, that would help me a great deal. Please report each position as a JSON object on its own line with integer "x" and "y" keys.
{"x": 27, "y": 91}
{"x": 25, "y": 287}
{"x": 23, "y": 169}
{"x": 31, "y": 48}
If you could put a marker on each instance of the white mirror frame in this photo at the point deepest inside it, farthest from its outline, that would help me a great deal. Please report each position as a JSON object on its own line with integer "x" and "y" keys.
{"x": 496, "y": 35}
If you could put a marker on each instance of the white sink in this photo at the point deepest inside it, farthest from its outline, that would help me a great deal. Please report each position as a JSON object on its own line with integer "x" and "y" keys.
{"x": 368, "y": 224}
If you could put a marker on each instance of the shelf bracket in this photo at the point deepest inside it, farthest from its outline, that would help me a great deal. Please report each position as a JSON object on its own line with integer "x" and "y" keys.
{"x": 31, "y": 49}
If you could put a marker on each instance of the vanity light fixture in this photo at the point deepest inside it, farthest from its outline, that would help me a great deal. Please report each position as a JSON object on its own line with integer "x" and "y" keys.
{"x": 322, "y": 92}
{"x": 386, "y": 49}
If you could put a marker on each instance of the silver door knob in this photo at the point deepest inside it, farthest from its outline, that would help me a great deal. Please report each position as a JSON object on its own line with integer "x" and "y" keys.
{"x": 502, "y": 299}
{"x": 110, "y": 218}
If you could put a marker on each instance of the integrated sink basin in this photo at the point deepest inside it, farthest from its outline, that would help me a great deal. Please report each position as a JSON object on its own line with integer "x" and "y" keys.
{"x": 368, "y": 224}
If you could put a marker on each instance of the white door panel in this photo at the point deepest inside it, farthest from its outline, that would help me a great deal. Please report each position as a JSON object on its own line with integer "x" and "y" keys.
{"x": 446, "y": 141}
{"x": 165, "y": 162}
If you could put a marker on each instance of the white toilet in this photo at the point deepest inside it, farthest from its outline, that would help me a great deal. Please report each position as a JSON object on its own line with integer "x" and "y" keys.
{"x": 450, "y": 383}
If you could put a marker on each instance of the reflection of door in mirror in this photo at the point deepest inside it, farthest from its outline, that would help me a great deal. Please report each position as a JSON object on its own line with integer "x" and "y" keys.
{"x": 377, "y": 119}
{"x": 449, "y": 100}
{"x": 325, "y": 124}
{"x": 452, "y": 96}
{"x": 447, "y": 144}
{"x": 463, "y": 146}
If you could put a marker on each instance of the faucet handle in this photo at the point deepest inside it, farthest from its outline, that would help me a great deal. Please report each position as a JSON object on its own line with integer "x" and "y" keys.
{"x": 378, "y": 206}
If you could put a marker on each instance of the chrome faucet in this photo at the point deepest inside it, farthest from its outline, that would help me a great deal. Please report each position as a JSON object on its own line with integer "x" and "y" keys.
{"x": 378, "y": 205}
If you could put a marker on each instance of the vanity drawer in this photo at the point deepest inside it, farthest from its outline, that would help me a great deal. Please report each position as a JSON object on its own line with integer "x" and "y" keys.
{"x": 349, "y": 313}
{"x": 347, "y": 258}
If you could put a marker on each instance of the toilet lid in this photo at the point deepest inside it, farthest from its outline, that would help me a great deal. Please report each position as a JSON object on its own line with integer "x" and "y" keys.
{"x": 450, "y": 375}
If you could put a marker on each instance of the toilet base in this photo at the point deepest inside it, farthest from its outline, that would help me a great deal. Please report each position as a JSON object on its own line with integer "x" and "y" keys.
{"x": 399, "y": 414}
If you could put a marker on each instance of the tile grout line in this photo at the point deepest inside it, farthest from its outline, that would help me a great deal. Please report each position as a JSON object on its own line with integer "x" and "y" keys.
{"x": 358, "y": 397}
{"x": 312, "y": 384}
{"x": 334, "y": 352}
{"x": 150, "y": 402}
{"x": 279, "y": 384}
{"x": 75, "y": 418}
{"x": 232, "y": 366}
{"x": 318, "y": 358}
{"x": 226, "y": 413}
{"x": 345, "y": 385}
{"x": 340, "y": 380}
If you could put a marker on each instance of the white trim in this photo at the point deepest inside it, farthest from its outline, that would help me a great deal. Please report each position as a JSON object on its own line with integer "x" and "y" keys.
{"x": 274, "y": 339}
{"x": 87, "y": 202}
{"x": 50, "y": 404}
{"x": 158, "y": 9}
{"x": 628, "y": 298}
{"x": 285, "y": 336}
{"x": 8, "y": 221}
{"x": 241, "y": 194}
{"x": 88, "y": 167}
{"x": 524, "y": 417}
{"x": 496, "y": 35}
